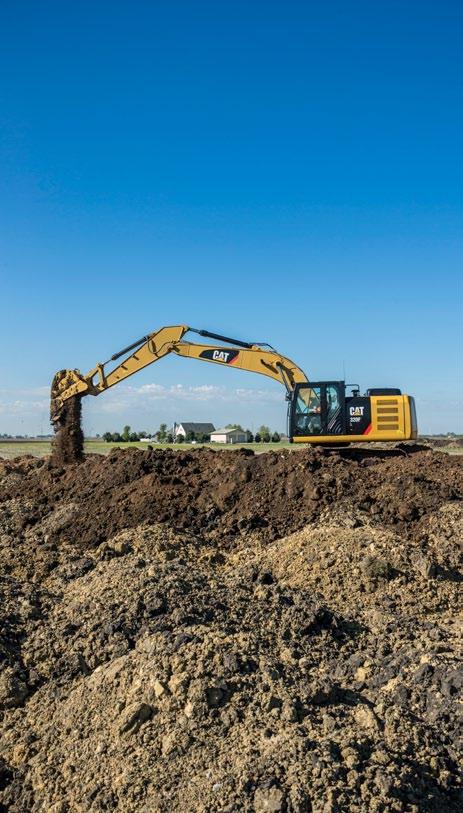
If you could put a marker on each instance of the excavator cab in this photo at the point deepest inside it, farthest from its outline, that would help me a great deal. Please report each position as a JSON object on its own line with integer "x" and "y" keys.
{"x": 318, "y": 409}
{"x": 324, "y": 412}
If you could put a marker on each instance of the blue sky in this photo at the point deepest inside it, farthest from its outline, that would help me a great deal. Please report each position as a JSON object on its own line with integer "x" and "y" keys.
{"x": 283, "y": 172}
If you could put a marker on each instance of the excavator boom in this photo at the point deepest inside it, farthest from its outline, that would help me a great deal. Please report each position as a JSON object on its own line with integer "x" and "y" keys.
{"x": 256, "y": 358}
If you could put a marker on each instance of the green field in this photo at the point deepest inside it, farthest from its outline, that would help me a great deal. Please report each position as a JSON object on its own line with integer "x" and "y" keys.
{"x": 10, "y": 449}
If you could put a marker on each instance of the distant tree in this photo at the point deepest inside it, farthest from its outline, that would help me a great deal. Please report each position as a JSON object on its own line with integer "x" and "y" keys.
{"x": 180, "y": 439}
{"x": 161, "y": 434}
{"x": 169, "y": 438}
{"x": 264, "y": 430}
{"x": 257, "y": 438}
{"x": 250, "y": 436}
{"x": 116, "y": 437}
{"x": 126, "y": 433}
{"x": 191, "y": 436}
{"x": 234, "y": 426}
{"x": 143, "y": 434}
{"x": 266, "y": 437}
{"x": 108, "y": 437}
{"x": 276, "y": 437}
{"x": 133, "y": 437}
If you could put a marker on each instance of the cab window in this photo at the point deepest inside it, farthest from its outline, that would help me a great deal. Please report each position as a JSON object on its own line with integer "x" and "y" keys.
{"x": 308, "y": 414}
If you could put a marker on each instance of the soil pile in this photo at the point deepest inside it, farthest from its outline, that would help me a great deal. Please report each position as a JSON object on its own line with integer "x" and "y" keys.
{"x": 68, "y": 443}
{"x": 278, "y": 632}
{"x": 227, "y": 494}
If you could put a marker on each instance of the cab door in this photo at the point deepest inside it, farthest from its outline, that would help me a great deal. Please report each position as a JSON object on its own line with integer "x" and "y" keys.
{"x": 306, "y": 412}
{"x": 318, "y": 409}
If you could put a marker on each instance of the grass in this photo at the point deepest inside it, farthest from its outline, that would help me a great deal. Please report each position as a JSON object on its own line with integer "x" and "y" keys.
{"x": 41, "y": 448}
{"x": 10, "y": 449}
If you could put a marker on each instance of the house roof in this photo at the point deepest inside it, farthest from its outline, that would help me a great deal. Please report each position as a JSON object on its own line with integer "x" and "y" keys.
{"x": 206, "y": 428}
{"x": 228, "y": 431}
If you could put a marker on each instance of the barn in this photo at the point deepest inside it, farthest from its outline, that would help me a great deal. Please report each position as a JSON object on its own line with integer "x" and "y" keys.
{"x": 229, "y": 436}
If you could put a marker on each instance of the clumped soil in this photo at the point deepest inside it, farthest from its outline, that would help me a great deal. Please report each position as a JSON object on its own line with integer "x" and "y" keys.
{"x": 68, "y": 442}
{"x": 225, "y": 494}
{"x": 222, "y": 631}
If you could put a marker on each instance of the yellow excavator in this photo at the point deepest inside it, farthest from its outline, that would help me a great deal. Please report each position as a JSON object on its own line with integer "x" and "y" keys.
{"x": 320, "y": 412}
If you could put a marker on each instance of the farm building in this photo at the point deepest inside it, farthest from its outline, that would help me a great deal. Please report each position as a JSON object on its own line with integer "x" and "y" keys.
{"x": 229, "y": 436}
{"x": 198, "y": 428}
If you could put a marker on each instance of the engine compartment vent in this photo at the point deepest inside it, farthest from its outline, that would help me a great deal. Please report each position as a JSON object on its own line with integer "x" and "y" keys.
{"x": 384, "y": 391}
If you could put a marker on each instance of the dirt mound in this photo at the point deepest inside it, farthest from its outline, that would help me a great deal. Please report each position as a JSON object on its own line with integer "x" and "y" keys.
{"x": 68, "y": 443}
{"x": 227, "y": 494}
{"x": 221, "y": 632}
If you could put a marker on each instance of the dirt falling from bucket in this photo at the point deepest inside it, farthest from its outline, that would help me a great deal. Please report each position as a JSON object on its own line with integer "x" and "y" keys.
{"x": 68, "y": 443}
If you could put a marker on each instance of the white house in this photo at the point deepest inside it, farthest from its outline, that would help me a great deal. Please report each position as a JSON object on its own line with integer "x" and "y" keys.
{"x": 198, "y": 428}
{"x": 229, "y": 436}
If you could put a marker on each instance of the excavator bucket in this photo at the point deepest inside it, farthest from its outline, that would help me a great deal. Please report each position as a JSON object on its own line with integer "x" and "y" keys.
{"x": 65, "y": 385}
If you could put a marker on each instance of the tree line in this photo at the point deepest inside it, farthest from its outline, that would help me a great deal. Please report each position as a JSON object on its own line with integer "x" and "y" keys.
{"x": 162, "y": 435}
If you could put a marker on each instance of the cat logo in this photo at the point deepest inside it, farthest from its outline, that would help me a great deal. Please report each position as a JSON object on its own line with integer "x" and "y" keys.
{"x": 356, "y": 411}
{"x": 220, "y": 354}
